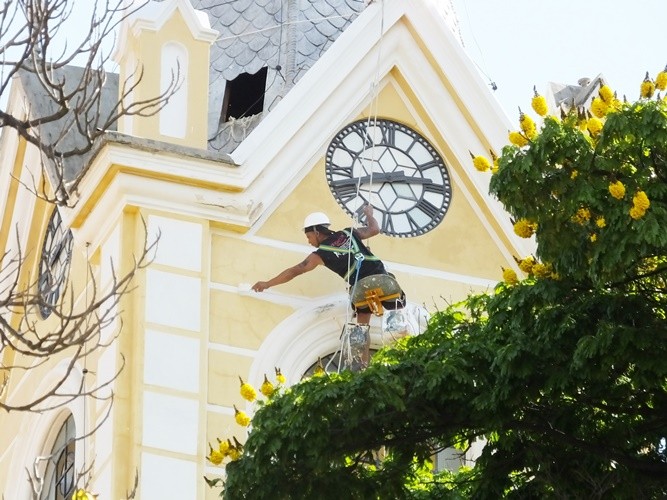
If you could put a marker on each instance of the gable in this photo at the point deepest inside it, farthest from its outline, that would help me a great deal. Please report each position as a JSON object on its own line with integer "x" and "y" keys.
{"x": 465, "y": 242}
{"x": 415, "y": 73}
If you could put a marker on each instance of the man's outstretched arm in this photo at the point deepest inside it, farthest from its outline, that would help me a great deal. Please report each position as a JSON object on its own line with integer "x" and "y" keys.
{"x": 308, "y": 264}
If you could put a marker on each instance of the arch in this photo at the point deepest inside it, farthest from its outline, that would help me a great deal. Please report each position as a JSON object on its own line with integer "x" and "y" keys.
{"x": 38, "y": 431}
{"x": 174, "y": 63}
{"x": 315, "y": 331}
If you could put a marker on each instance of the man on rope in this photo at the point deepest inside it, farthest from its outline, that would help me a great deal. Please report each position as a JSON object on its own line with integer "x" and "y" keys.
{"x": 344, "y": 253}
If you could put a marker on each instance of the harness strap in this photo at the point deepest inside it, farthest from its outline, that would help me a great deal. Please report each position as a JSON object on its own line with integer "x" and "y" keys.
{"x": 353, "y": 248}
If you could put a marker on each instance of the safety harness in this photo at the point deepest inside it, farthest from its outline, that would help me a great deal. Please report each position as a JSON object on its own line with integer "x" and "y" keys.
{"x": 352, "y": 248}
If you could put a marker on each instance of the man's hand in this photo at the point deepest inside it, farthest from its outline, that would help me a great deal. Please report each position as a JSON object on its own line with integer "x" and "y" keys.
{"x": 308, "y": 264}
{"x": 368, "y": 211}
{"x": 372, "y": 227}
{"x": 260, "y": 286}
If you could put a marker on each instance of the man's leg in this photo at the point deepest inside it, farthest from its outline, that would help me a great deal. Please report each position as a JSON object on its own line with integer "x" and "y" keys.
{"x": 358, "y": 355}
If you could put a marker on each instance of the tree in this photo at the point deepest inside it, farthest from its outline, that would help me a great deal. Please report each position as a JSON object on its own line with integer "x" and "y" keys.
{"x": 67, "y": 111}
{"x": 71, "y": 108}
{"x": 561, "y": 373}
{"x": 76, "y": 107}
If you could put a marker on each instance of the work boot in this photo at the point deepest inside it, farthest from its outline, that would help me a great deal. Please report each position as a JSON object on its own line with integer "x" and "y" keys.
{"x": 356, "y": 358}
{"x": 394, "y": 325}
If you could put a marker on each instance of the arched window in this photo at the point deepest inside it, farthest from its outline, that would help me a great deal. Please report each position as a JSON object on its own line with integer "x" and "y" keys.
{"x": 60, "y": 473}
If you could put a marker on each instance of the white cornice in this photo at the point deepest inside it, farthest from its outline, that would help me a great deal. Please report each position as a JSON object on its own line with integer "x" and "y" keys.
{"x": 122, "y": 175}
{"x": 153, "y": 15}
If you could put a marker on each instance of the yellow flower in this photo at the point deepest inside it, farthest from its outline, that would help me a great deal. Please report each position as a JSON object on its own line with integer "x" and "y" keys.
{"x": 234, "y": 454}
{"x": 480, "y": 163}
{"x": 617, "y": 190}
{"x": 582, "y": 216}
{"x": 527, "y": 125}
{"x": 526, "y": 264}
{"x": 539, "y": 104}
{"x": 224, "y": 447}
{"x": 215, "y": 457}
{"x": 636, "y": 212}
{"x": 81, "y": 494}
{"x": 600, "y": 222}
{"x": 247, "y": 391}
{"x": 518, "y": 139}
{"x": 594, "y": 125}
{"x": 593, "y": 237}
{"x": 525, "y": 228}
{"x": 496, "y": 164}
{"x": 647, "y": 87}
{"x": 606, "y": 94}
{"x": 241, "y": 417}
{"x": 279, "y": 376}
{"x": 267, "y": 387}
{"x": 510, "y": 277}
{"x": 542, "y": 270}
{"x": 599, "y": 108}
{"x": 661, "y": 80}
{"x": 640, "y": 200}
{"x": 574, "y": 174}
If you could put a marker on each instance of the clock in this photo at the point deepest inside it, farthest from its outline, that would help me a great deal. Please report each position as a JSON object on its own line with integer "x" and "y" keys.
{"x": 395, "y": 169}
{"x": 54, "y": 263}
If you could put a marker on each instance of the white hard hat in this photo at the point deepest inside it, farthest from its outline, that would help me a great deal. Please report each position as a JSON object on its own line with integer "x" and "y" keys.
{"x": 316, "y": 219}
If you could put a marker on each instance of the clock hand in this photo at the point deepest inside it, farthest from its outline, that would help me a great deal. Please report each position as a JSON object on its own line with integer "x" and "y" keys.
{"x": 382, "y": 177}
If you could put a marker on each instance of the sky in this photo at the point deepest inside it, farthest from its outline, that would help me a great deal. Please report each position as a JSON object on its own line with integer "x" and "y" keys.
{"x": 519, "y": 44}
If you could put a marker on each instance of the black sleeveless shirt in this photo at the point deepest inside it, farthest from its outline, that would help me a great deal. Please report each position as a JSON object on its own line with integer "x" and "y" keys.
{"x": 349, "y": 258}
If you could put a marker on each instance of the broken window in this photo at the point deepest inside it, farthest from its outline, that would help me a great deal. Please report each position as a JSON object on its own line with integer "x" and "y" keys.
{"x": 244, "y": 95}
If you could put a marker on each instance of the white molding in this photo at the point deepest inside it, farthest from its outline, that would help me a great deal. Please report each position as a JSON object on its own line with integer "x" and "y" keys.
{"x": 153, "y": 15}
{"x": 170, "y": 423}
{"x": 173, "y": 300}
{"x": 240, "y": 351}
{"x": 167, "y": 477}
{"x": 297, "y": 341}
{"x": 312, "y": 332}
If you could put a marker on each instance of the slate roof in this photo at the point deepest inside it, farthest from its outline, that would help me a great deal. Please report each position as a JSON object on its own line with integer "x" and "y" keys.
{"x": 287, "y": 37}
{"x": 42, "y": 105}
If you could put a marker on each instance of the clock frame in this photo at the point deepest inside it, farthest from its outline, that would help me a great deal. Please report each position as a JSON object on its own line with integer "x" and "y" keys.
{"x": 393, "y": 167}
{"x": 54, "y": 263}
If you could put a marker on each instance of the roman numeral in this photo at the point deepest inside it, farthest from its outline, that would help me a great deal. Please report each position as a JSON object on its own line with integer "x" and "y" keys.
{"x": 434, "y": 188}
{"x": 339, "y": 170}
{"x": 429, "y": 165}
{"x": 346, "y": 192}
{"x": 429, "y": 209}
{"x": 388, "y": 135}
{"x": 387, "y": 224}
{"x": 414, "y": 226}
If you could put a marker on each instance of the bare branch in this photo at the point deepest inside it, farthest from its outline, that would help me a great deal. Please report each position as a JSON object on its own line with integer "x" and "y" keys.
{"x": 71, "y": 106}
{"x": 77, "y": 331}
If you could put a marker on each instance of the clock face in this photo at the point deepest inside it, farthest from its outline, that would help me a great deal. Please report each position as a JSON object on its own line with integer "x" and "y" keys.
{"x": 54, "y": 264}
{"x": 394, "y": 168}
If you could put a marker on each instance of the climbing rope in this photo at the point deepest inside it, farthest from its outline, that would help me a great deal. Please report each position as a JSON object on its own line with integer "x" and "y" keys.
{"x": 370, "y": 138}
